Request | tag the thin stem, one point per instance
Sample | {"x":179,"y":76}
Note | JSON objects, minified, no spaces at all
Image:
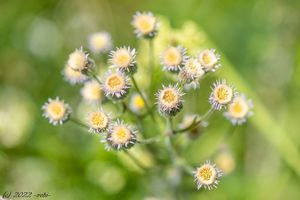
{"x":151,"y":60}
{"x":196,"y":122}
{"x":135,"y":160}
{"x":150,"y":140}
{"x":94,"y":76}
{"x":144,"y":99}
{"x":78,"y":122}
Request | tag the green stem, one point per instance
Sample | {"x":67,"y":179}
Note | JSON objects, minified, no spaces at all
{"x":150,"y":140}
{"x":78,"y":122}
{"x":135,"y":160}
{"x":144,"y":99}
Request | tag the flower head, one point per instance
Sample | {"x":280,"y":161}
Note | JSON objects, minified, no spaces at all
{"x":239,"y":110}
{"x":91,"y":91}
{"x":72,"y":76}
{"x":173,"y":58}
{"x":120,"y":136}
{"x":115,"y":85}
{"x":207,"y":176}
{"x":169,"y":100}
{"x":191,"y":72}
{"x":79,"y":60}
{"x":136,"y":103}
{"x":123,"y":58}
{"x":195,"y":131}
{"x":57,"y":111}
{"x":145,"y":25}
{"x":222,"y":94}
{"x":209,"y":59}
{"x":98,"y":121}
{"x":100,"y":42}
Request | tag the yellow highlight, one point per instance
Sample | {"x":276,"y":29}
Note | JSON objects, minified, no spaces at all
{"x":172,"y":56}
{"x":144,"y":23}
{"x":56,"y":110}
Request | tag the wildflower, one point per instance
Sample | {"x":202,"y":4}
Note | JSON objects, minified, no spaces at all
{"x":98,"y":121}
{"x":115,"y":85}
{"x":207,"y":176}
{"x":196,"y":130}
{"x":222,"y":94}
{"x":57,"y":111}
{"x":169,"y":100}
{"x":79,"y":60}
{"x":225,"y":161}
{"x":239,"y":110}
{"x":72,"y":76}
{"x":209,"y":59}
{"x":91,"y":91}
{"x":123,"y":58}
{"x":136,"y":103}
{"x":173,"y":58}
{"x":191,"y":72}
{"x":120,"y":136}
{"x":145,"y":25}
{"x":100,"y":42}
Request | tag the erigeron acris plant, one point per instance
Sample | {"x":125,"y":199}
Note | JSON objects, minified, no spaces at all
{"x":116,"y":84}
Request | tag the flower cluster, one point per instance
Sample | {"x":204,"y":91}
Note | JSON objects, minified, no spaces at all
{"x":118,"y":82}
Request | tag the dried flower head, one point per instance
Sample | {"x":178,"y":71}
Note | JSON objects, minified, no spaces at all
{"x":79,"y":60}
{"x":145,"y":25}
{"x":98,"y":121}
{"x":123,"y":58}
{"x":57,"y":111}
{"x":191,"y":72}
{"x":136,"y":103}
{"x":115,"y":85}
{"x":239,"y":110}
{"x":91,"y":91}
{"x":120,"y":136}
{"x":222,"y":94}
{"x":169,"y":100}
{"x":100,"y":42}
{"x":207,"y":176}
{"x":173,"y":58}
{"x":209,"y":59}
{"x":72,"y":76}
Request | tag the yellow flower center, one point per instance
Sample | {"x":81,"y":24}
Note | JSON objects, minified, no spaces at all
{"x":99,"y":41}
{"x":172,"y":56}
{"x":121,"y":135}
{"x":122,"y":58}
{"x":56,"y":110}
{"x":223,"y":94}
{"x":239,"y":108}
{"x":208,"y":58}
{"x":115,"y":82}
{"x":77,"y":60}
{"x":144,"y":23}
{"x":138,"y":102}
{"x":206,"y":174}
{"x":98,"y":120}
{"x":169,"y":97}
{"x":193,"y":67}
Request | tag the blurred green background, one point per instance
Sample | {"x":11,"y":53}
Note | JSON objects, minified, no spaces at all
{"x":260,"y":46}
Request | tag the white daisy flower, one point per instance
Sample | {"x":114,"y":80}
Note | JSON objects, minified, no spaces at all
{"x":209,"y":60}
{"x":207,"y":176}
{"x":169,"y":100}
{"x":120,"y":136}
{"x":173,"y":58}
{"x":239,"y":110}
{"x":56,"y":111}
{"x":115,"y":85}
{"x":191,"y":72}
{"x":91,"y":91}
{"x":79,"y":60}
{"x":72,"y":76}
{"x":98,"y":121}
{"x":222,"y":94}
{"x":100,"y":42}
{"x":145,"y":25}
{"x":136,"y":103}
{"x":123,"y":59}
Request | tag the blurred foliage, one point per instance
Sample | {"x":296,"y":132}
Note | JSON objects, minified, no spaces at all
{"x":260,"y":46}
